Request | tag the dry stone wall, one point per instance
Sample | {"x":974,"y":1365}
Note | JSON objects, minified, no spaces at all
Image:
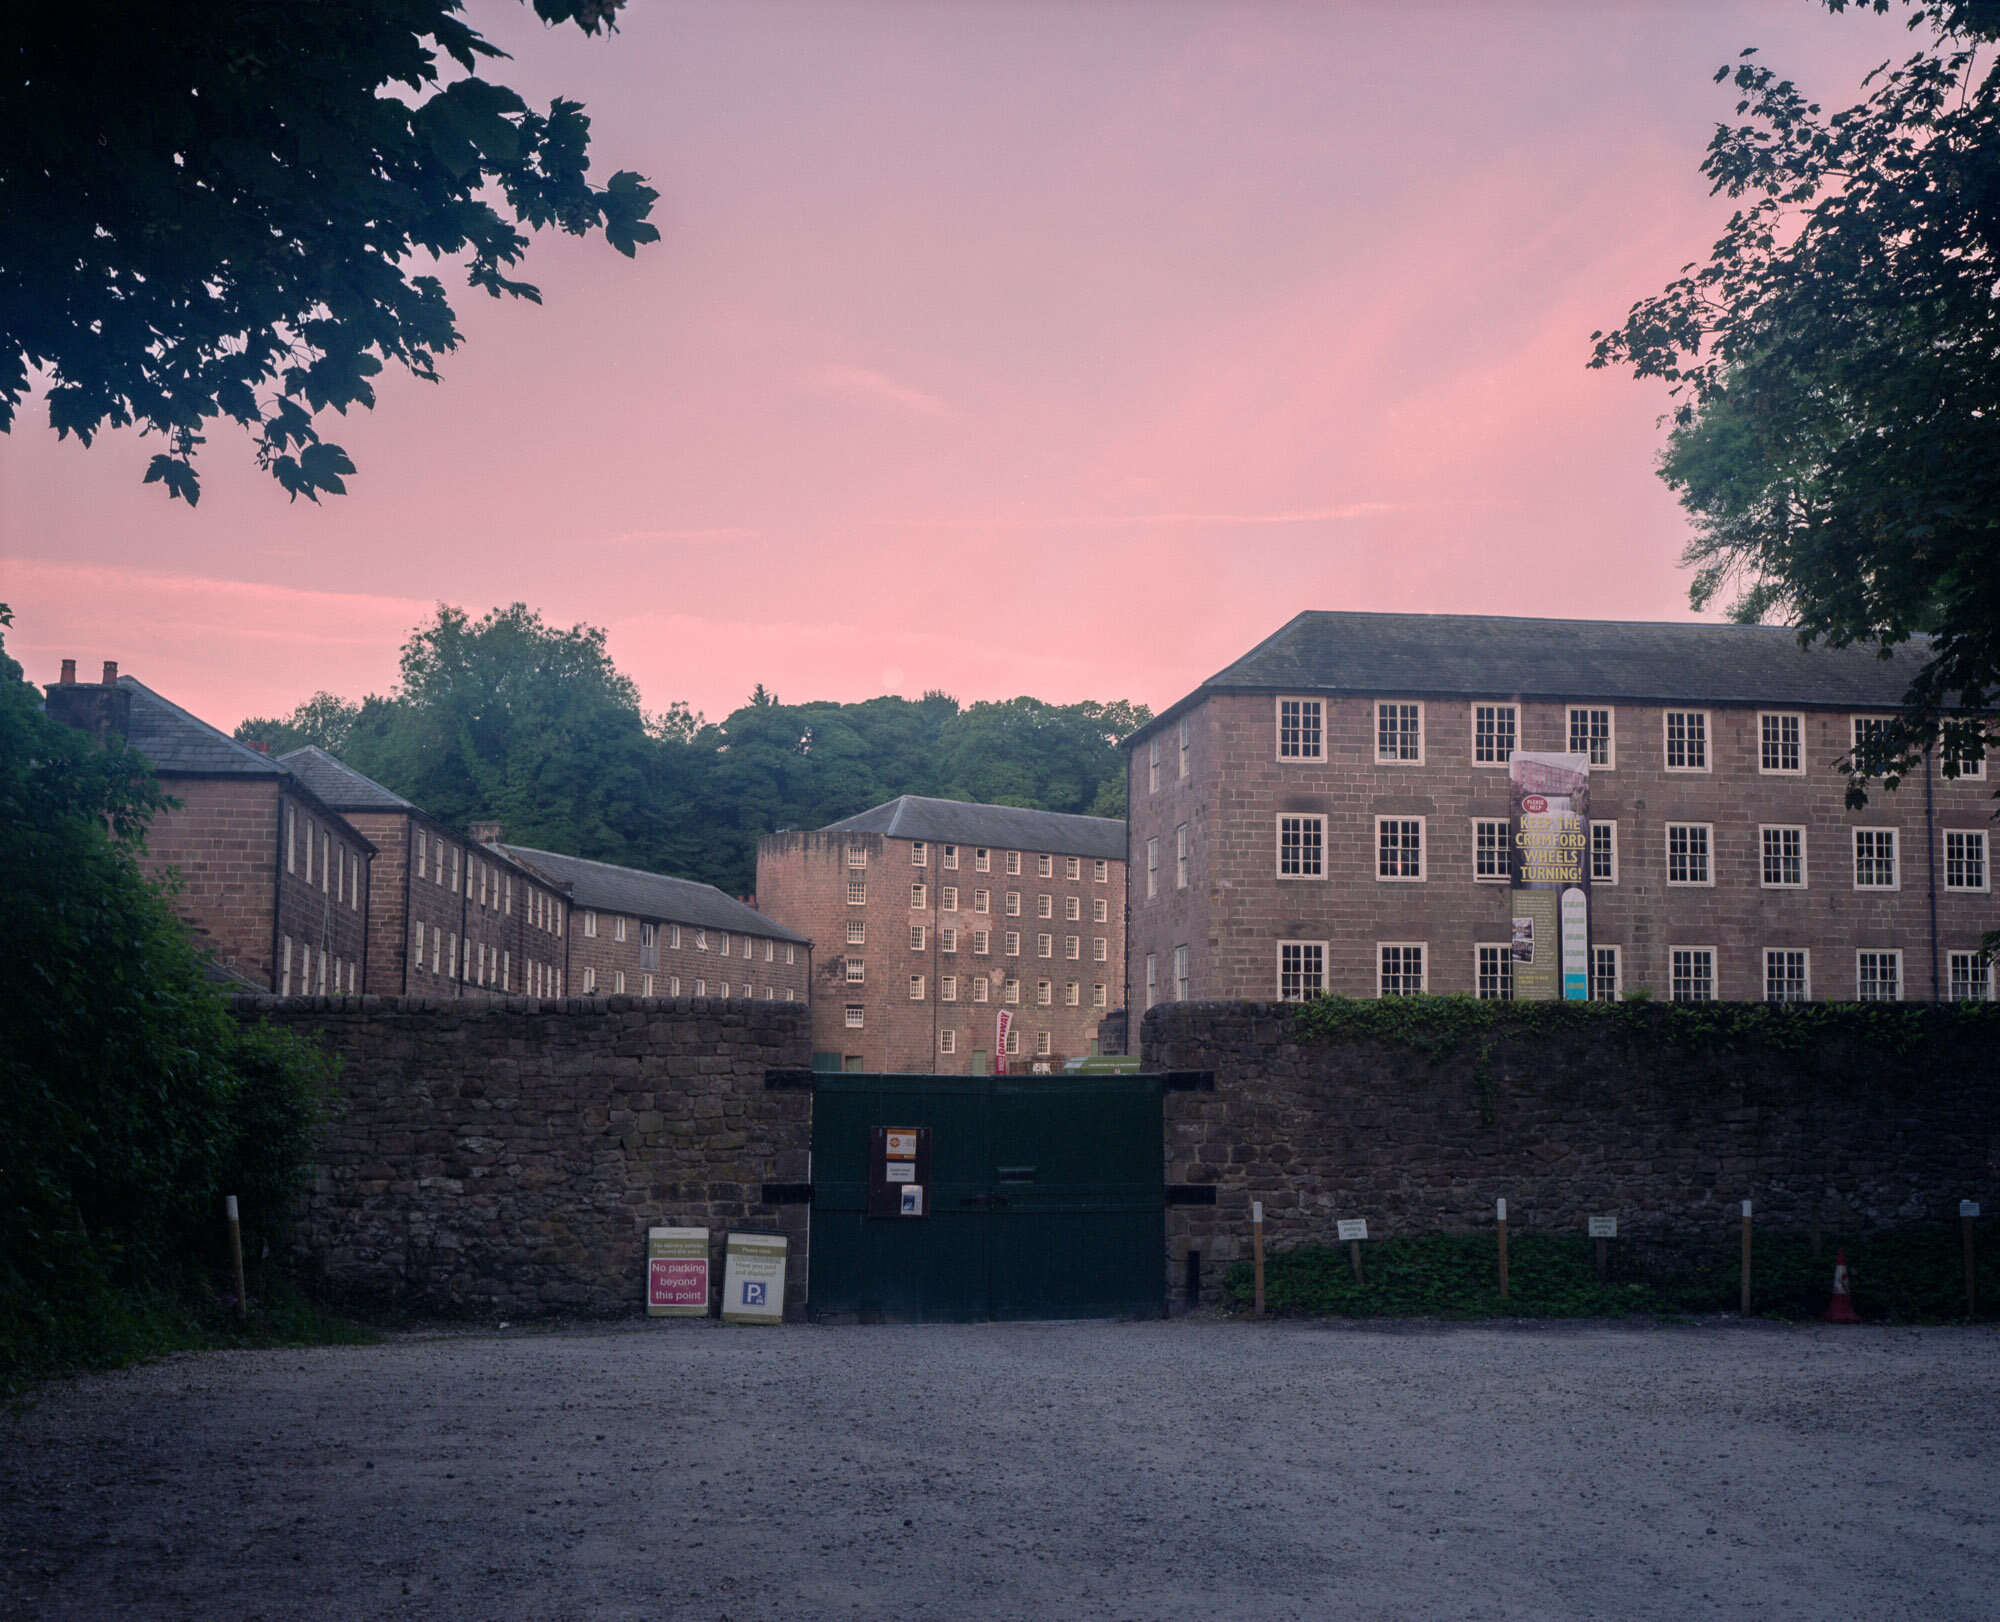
{"x":507,"y":1155}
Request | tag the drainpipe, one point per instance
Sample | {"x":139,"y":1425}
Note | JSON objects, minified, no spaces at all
{"x":1930,"y":853}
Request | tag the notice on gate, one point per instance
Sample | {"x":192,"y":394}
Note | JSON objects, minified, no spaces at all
{"x":1549,"y":954}
{"x":677,"y":1272}
{"x":753,"y":1278}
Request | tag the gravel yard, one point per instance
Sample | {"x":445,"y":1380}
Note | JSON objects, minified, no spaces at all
{"x":1183,"y":1469}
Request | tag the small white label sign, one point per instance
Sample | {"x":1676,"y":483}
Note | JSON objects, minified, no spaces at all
{"x":1603,"y":1227}
{"x":901,"y":1171}
{"x":1355,"y":1228}
{"x":1968,"y":1208}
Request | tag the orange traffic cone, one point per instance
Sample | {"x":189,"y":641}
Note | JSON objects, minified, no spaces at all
{"x":1842,"y":1310}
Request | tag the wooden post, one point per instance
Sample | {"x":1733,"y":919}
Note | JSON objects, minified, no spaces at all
{"x":236,"y":1256}
{"x":1746,"y":1259}
{"x":1967,"y":1212}
{"x":1257,"y":1251}
{"x":1354,"y":1256}
{"x":1501,"y":1221}
{"x":1603,"y":1260}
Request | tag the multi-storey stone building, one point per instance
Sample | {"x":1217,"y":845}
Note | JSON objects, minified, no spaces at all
{"x":647,"y":935}
{"x":271,"y":878}
{"x":934,"y":916}
{"x":1330,"y":813}
{"x":448,"y":915}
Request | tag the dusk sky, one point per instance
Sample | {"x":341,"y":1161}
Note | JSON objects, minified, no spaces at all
{"x":1010,"y":347}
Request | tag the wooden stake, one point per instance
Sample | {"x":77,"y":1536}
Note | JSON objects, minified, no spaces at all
{"x":236,"y":1256}
{"x":1257,"y":1251}
{"x":1501,"y":1220}
{"x":1603,"y":1259}
{"x":1967,"y":1211}
{"x":1354,"y":1255}
{"x":1746,"y":1259}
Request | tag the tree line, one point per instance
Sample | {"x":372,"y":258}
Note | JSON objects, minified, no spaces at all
{"x":532,"y":724}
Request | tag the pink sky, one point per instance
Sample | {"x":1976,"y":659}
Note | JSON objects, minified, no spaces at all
{"x":1014,"y":347}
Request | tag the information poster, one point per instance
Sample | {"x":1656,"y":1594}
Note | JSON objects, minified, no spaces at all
{"x":753,"y":1278}
{"x":677,"y":1272}
{"x":1550,"y":937}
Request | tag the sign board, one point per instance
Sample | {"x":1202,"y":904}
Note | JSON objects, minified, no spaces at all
{"x":677,"y":1272}
{"x":899,"y":1142}
{"x":913,"y":1200}
{"x":1550,"y":943}
{"x":1603,"y":1227}
{"x":753,"y":1278}
{"x":1968,"y":1208}
{"x":1003,"y":1022}
{"x":1355,"y":1229}
{"x":899,"y":1159}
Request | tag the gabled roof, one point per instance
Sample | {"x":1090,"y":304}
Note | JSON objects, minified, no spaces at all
{"x":607,"y":887}
{"x":1007,"y":827}
{"x":338,"y":783}
{"x":179,"y":743}
{"x":1488,"y":656}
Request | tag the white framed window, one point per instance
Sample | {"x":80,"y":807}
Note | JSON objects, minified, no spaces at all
{"x":1878,"y":976}
{"x":701,"y":988}
{"x":1152,"y":979}
{"x":437,"y":950}
{"x":1013,"y":1043}
{"x":916,"y":988}
{"x":1045,"y":906}
{"x":618,"y":927}
{"x":1153,"y":766}
{"x":1011,"y":990}
{"x":920,"y":897}
{"x":1867,"y":728}
{"x":980,"y":937}
{"x":646,"y":983}
{"x":1044,"y":1043}
{"x":856,"y":969}
{"x":1781,"y":744}
{"x":1100,"y":871}
{"x":1013,"y":903}
{"x":857,"y":932}
{"x":1301,"y":729}
{"x":982,"y":900}
{"x":1606,"y":973}
{"x":949,"y":860}
{"x":590,"y":925}
{"x":857,"y":892}
{"x":1970,"y":977}
{"x":618,"y":982}
{"x":857,"y":855}
{"x":1494,"y":730}
{"x":1073,"y":947}
{"x":1073,"y":909}
{"x":1045,"y":867}
{"x":1490,"y":853}
{"x":1875,"y":864}
{"x":1184,"y":753}
{"x":1688,"y":853}
{"x":285,"y":965}
{"x":1152,"y":868}
{"x":947,"y":1041}
{"x":1686,"y":740}
{"x":1399,"y":733}
{"x":1301,"y":847}
{"x":423,"y":850}
{"x":1787,"y":974}
{"x":1099,"y":996}
{"x":1957,"y":768}
{"x":947,"y":939}
{"x":701,"y":940}
{"x":1603,"y":853}
{"x":1045,"y":946}
{"x":1399,"y":848}
{"x":674,"y":936}
{"x":1045,"y":993}
{"x":919,"y":937}
{"x":1010,"y":943}
{"x":722,"y":943}
{"x":791,"y":954}
{"x":1493,"y":972}
{"x":1401,"y":967}
{"x":1783,"y":857}
{"x":1100,"y":949}
{"x":920,"y":853}
{"x":589,"y":980}
{"x":1301,"y":970}
{"x":1181,"y":857}
{"x":980,"y":987}
{"x":853,"y":1015}
{"x":947,"y":988}
{"x":1073,"y":995}
{"x":1965,"y":864}
{"x":1013,"y":863}
{"x":1591,"y":735}
{"x":948,"y":898}
{"x":1692,"y":973}
{"x":770,"y":951}
{"x":1100,"y":910}
{"x":982,"y":860}
{"x":1180,"y":974}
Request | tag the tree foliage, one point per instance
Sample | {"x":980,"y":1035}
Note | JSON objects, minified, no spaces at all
{"x":510,"y":717}
{"x":208,"y":209}
{"x":1836,"y":368}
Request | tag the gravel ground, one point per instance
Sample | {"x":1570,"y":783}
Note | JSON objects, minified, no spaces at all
{"x":1192,"y":1468}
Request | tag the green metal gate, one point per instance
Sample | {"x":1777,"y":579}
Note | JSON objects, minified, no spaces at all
{"x":1046,"y":1199}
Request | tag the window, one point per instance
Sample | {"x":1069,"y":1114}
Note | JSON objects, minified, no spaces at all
{"x":1493,"y":968}
{"x":770,"y":951}
{"x":1956,"y":766}
{"x":1301,"y":735}
{"x":1153,"y":767}
{"x":979,"y":987}
{"x":285,"y":969}
{"x":437,"y":949}
{"x":1590,"y":734}
{"x":590,"y":925}
{"x":950,"y":859}
{"x":1878,"y":976}
{"x":1073,"y":909}
{"x":589,"y":981}
{"x":1402,"y":968}
{"x":701,"y":940}
{"x":1490,"y":850}
{"x":1180,"y":974}
{"x":1100,"y":910}
{"x":1045,"y":906}
{"x":857,"y":855}
{"x":1011,"y":990}
{"x":857,"y":932}
{"x":701,"y":988}
{"x":1971,"y":977}
{"x":618,"y":929}
{"x":1180,"y":857}
{"x":1043,"y":1042}
{"x":1100,"y":872}
{"x":1073,"y":947}
{"x":917,"y":937}
{"x":1013,"y":861}
{"x":1604,"y":974}
{"x":853,"y":1011}
{"x":1693,"y":973}
{"x":1073,"y":995}
{"x":1152,"y":979}
{"x":423,"y":853}
{"x":1013,"y":1042}
{"x":1604,"y":853}
{"x":1493,"y":731}
{"x":1301,"y":970}
{"x":948,"y":898}
{"x":618,"y":982}
{"x":1867,"y":729}
{"x":857,"y":893}
{"x":1045,"y":867}
{"x":1687,"y":740}
{"x":920,"y":897}
{"x":791,"y":954}
{"x":1184,"y":753}
{"x":920,"y":853}
{"x":1399,"y":847}
{"x":947,"y":940}
{"x":1784,"y":858}
{"x":1687,"y":853}
{"x":1010,"y":943}
{"x":980,"y":937}
{"x":1301,"y":847}
{"x":947,"y":988}
{"x":856,"y":968}
{"x":1045,"y":994}
{"x":1785,"y":976}
{"x":1013,"y":903}
{"x":1100,"y":949}
{"x":982,"y":900}
{"x":1099,"y":997}
{"x":916,"y":988}
{"x":1045,"y":946}
{"x":1780,"y":744}
{"x":982,"y":860}
{"x":1399,"y":733}
{"x":1152,"y":868}
{"x":1875,"y":859}
{"x":1964,"y":860}
{"x":454,"y":870}
{"x":947,"y":1041}
{"x":722,"y":943}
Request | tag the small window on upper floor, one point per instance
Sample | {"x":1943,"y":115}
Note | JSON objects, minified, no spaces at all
{"x":1687,"y":740}
{"x":1013,"y":861}
{"x":1781,"y":744}
{"x":1301,"y":729}
{"x":1100,"y":872}
{"x":1184,"y":747}
{"x":950,"y":858}
{"x":920,"y":853}
{"x":618,"y":927}
{"x":1073,"y":867}
{"x":982,"y":860}
{"x":1153,"y":766}
{"x":1495,"y":729}
{"x":1399,"y":733}
{"x":1045,"y":867}
{"x":1590,"y":734}
{"x":857,"y":855}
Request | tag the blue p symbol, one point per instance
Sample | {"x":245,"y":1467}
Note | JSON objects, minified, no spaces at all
{"x":753,"y":1294}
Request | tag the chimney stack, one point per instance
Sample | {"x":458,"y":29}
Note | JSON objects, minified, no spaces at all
{"x":261,"y":745}
{"x":110,"y":672}
{"x":69,"y":673}
{"x":485,"y":833}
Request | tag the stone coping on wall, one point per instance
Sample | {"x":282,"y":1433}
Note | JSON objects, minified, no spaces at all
{"x":265,"y":1003}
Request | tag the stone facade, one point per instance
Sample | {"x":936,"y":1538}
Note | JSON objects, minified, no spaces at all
{"x":684,"y":960}
{"x":506,"y":1155}
{"x":1562,"y":1128}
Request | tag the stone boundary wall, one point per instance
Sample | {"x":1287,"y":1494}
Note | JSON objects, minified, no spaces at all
{"x":1563,"y":1127}
{"x":506,"y":1155}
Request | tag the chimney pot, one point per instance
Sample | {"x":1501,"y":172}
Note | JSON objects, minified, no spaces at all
{"x":68,"y":672}
{"x":261,"y":745}
{"x":110,"y":672}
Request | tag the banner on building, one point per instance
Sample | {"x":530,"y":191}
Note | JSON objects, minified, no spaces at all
{"x":1550,"y":938}
{"x":1002,"y":1024}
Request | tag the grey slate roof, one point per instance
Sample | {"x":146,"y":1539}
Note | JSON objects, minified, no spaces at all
{"x":338,"y":783}
{"x":177,"y":742}
{"x":1487,"y":656}
{"x":607,"y":887}
{"x":1005,"y":827}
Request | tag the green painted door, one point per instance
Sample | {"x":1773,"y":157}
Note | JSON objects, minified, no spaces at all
{"x":1046,"y":1199}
